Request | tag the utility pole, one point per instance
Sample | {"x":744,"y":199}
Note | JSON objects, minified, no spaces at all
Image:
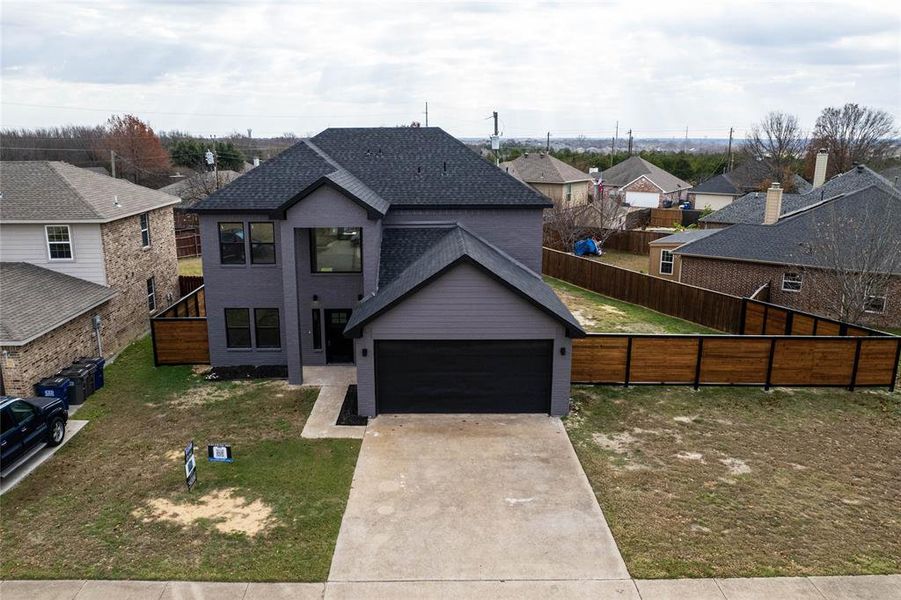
{"x":731,"y":161}
{"x":630,"y":142}
{"x":496,"y":142}
{"x":426,"y":114}
{"x":685,"y":143}
{"x":613,"y":145}
{"x":495,"y":122}
{"x":112,"y":163}
{"x":548,"y":147}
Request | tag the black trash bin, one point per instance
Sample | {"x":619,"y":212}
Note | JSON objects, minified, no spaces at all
{"x":98,"y":364}
{"x":83,"y":378}
{"x":58,"y":387}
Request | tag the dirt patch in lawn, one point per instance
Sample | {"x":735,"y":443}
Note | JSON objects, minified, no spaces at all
{"x":228,"y":512}
{"x":738,"y":482}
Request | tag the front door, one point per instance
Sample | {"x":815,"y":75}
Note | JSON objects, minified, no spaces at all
{"x":338,"y":349}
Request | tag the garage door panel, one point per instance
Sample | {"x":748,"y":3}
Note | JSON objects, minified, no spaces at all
{"x":645,"y":199}
{"x":463,"y":376}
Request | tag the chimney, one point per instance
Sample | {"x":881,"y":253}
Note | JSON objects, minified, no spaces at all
{"x":819,"y":171}
{"x":773,"y":204}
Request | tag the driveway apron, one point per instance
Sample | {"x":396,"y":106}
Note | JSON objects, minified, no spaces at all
{"x":472,"y":497}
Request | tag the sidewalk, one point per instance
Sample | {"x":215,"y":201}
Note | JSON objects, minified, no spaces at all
{"x":865,"y":587}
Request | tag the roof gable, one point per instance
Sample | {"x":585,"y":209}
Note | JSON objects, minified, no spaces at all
{"x":456,"y":247}
{"x":624,"y":173}
{"x":539,"y":167}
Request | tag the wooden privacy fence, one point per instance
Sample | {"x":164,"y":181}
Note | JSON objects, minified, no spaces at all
{"x":763,"y":318}
{"x":187,"y":244}
{"x":707,"y":307}
{"x":749,"y":360}
{"x":179,"y":333}
{"x":665,"y":217}
{"x":189,"y":283}
{"x":629,"y":240}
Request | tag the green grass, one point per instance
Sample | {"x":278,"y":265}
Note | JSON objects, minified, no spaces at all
{"x":625,"y":260}
{"x":80,"y":514}
{"x":819,"y":496}
{"x":190,"y":266}
{"x":600,"y":314}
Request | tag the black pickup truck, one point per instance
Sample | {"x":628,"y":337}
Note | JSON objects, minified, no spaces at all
{"x":28,"y":423}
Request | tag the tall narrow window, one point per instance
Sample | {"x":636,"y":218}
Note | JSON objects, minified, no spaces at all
{"x":262,"y":243}
{"x":145,"y":229}
{"x":151,"y":294}
{"x":317,"y":329}
{"x":237,"y":327}
{"x":59,"y":242}
{"x":231,"y":243}
{"x":336,"y":249}
{"x":666,"y":262}
{"x":267,"y":330}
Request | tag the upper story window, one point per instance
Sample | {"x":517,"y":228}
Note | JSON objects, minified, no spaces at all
{"x":231,"y":243}
{"x":336,"y":249}
{"x":262,"y":243}
{"x":874,"y":304}
{"x":145,"y":229}
{"x":666,"y":262}
{"x":791,"y":282}
{"x":59,"y":242}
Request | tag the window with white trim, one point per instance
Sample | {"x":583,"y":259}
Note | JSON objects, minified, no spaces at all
{"x":791,"y":282}
{"x":144,"y":219}
{"x":151,"y":294}
{"x":874,"y":304}
{"x":59,"y":242}
{"x":666,"y":262}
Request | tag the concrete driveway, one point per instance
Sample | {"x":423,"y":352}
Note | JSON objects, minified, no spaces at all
{"x":472,"y":497}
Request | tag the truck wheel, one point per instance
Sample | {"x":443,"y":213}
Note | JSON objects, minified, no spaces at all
{"x":57,"y":432}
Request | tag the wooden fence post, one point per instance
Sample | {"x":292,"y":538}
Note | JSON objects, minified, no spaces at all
{"x":769,"y":366}
{"x":698,"y":364}
{"x":628,"y":362}
{"x":856,"y":365}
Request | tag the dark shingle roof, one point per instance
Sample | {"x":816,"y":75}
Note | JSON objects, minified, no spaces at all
{"x":634,"y":167}
{"x":386,"y":166}
{"x":456,"y":246}
{"x":402,"y":246}
{"x":36,"y":300}
{"x":745,"y":178}
{"x":798,"y":239}
{"x":538,"y":167}
{"x":46,"y":190}
{"x":750,"y":207}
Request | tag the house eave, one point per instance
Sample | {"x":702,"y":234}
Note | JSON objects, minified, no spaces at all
{"x":94,"y":221}
{"x":57,"y":325}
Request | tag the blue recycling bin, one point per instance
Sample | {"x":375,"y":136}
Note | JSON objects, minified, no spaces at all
{"x":57,"y":387}
{"x":98,"y":364}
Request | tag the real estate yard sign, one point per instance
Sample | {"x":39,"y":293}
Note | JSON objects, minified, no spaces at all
{"x":219,"y":453}
{"x":190,"y":466}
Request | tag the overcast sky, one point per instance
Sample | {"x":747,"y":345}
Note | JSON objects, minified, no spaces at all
{"x":567,"y":68}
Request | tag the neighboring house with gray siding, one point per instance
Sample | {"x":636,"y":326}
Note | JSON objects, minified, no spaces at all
{"x":76,"y":226}
{"x":398,"y":250}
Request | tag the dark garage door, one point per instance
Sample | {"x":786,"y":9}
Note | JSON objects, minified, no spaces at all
{"x":463,"y":376}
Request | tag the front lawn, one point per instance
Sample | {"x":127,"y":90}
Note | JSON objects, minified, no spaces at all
{"x":738,"y":482}
{"x":600,"y":314}
{"x":112,"y":503}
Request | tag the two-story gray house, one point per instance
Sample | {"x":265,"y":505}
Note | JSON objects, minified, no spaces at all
{"x":398,"y":250}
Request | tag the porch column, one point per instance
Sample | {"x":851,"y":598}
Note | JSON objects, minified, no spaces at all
{"x":291,"y":316}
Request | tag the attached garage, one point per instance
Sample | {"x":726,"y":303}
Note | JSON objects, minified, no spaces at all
{"x":643,"y":199}
{"x":463,"y":329}
{"x":463,"y":376}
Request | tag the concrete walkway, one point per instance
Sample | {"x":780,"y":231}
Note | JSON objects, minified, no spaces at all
{"x":882,"y":587}
{"x":471,"y":497}
{"x":332,"y":382}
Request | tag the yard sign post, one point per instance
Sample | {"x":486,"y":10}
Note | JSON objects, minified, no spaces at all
{"x":190,"y":466}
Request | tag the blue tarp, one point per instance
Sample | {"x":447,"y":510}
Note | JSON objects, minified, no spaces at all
{"x":583,"y":247}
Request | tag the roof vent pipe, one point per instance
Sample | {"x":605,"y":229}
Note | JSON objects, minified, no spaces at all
{"x":860,"y":168}
{"x":773,"y":204}
{"x":819,"y":171}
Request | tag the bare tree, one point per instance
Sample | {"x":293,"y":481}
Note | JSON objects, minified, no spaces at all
{"x":778,"y":142}
{"x":565,"y":225}
{"x":199,"y":186}
{"x":853,"y":134}
{"x":856,"y":255}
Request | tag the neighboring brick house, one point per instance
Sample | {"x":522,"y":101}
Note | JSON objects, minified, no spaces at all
{"x":637,"y":182}
{"x":662,"y":262}
{"x":563,"y":184}
{"x":797,"y":252}
{"x":83,"y":233}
